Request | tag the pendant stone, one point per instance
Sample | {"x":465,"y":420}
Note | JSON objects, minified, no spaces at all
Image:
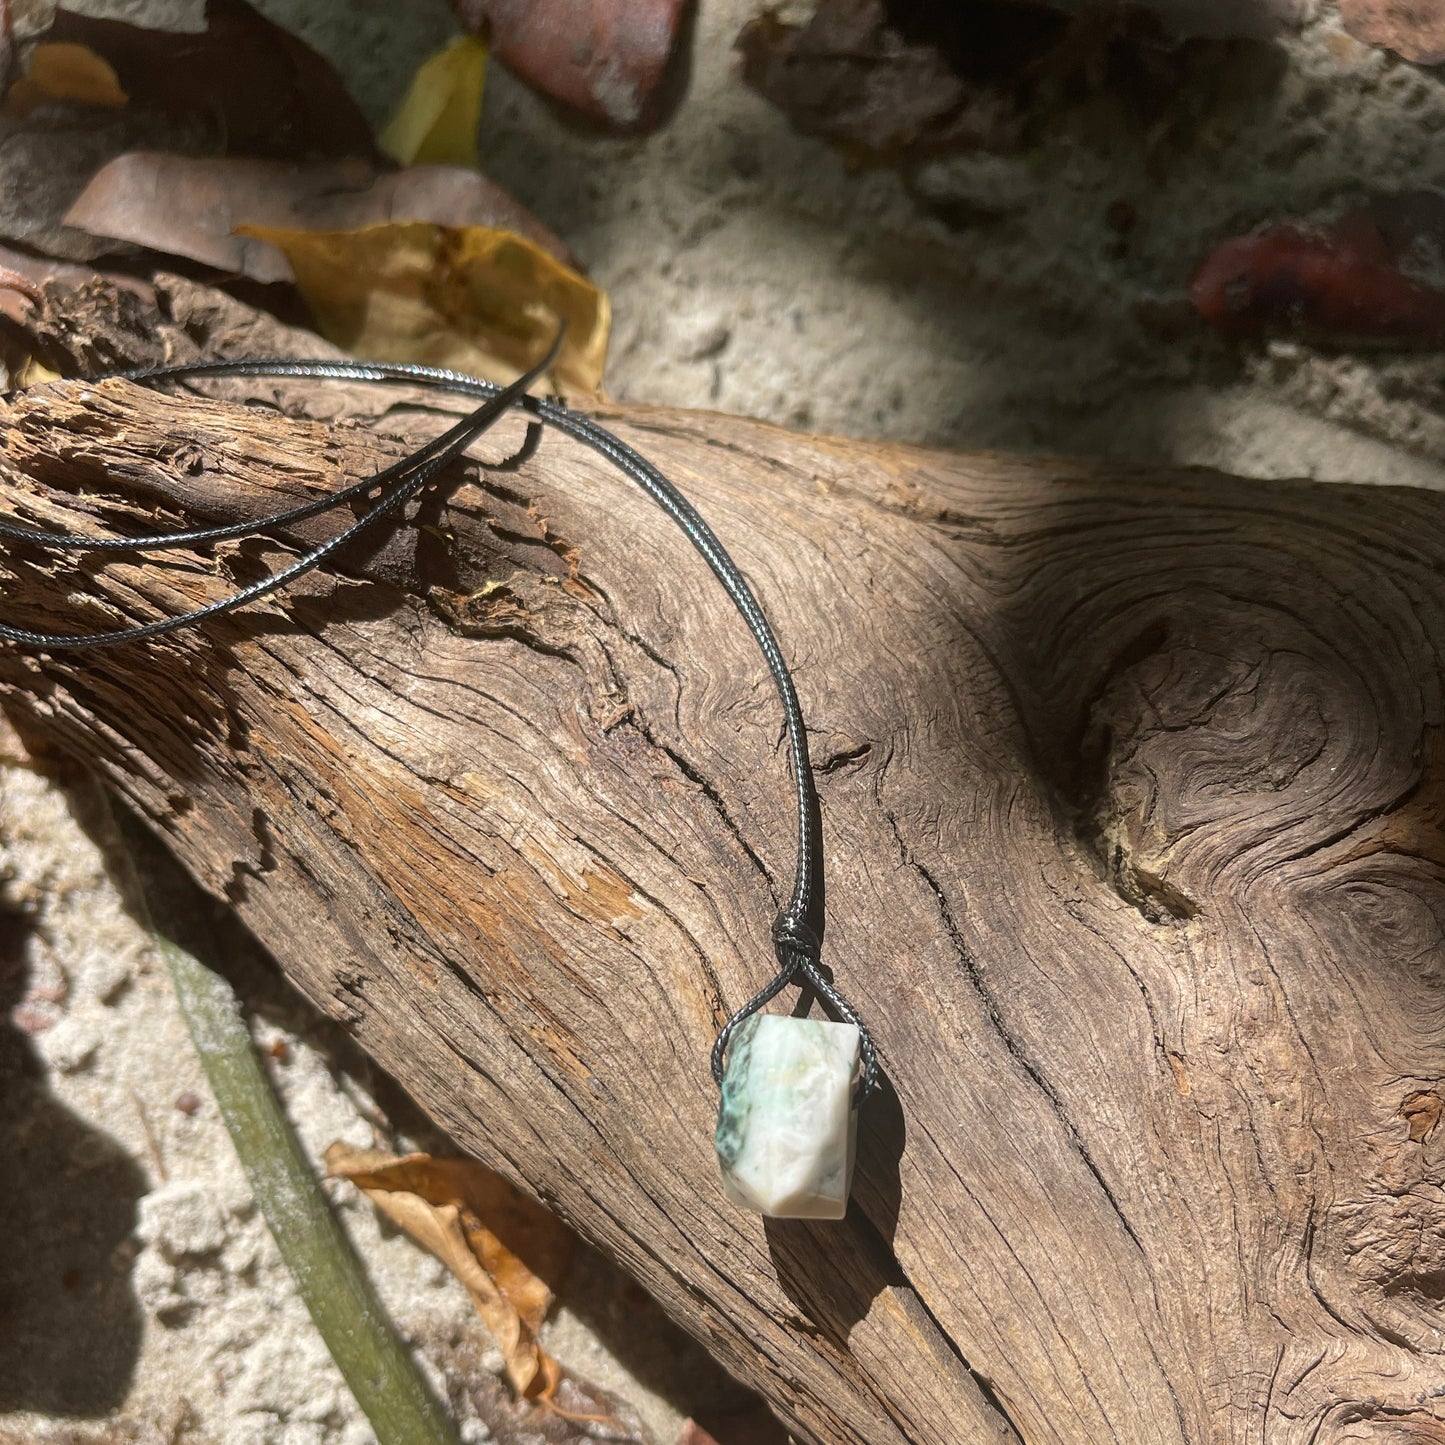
{"x":786,"y":1127}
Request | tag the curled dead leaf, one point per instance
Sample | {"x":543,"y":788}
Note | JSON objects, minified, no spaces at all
{"x":471,"y":298}
{"x":184,"y":206}
{"x":501,"y":1245}
{"x":65,"y":72}
{"x":33,"y":373}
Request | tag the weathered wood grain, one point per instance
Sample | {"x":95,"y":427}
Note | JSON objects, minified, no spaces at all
{"x":1133,"y":797}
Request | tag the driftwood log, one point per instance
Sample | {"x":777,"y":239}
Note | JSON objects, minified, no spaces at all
{"x":1133,"y":798}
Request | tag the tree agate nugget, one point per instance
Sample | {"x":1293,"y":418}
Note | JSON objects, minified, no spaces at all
{"x":787,"y":1125}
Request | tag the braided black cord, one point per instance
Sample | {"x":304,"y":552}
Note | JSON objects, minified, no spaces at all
{"x":795,"y":939}
{"x":412,"y":479}
{"x":446,"y":446}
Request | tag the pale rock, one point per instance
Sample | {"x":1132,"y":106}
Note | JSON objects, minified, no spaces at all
{"x":182,"y":1220}
{"x":109,"y":975}
{"x":787,"y":1126}
{"x":701,"y":336}
{"x":158,"y":1286}
{"x":70,"y":1045}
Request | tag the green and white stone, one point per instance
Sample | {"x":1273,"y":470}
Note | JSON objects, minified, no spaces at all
{"x":787,"y":1128}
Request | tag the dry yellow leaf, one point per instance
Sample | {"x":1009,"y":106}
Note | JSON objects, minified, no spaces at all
{"x":65,"y":72}
{"x":437,"y":122}
{"x":473,"y":298}
{"x":503,"y":1247}
{"x":32,"y":373}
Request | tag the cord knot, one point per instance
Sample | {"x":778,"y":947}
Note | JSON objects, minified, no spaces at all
{"x":795,"y":944}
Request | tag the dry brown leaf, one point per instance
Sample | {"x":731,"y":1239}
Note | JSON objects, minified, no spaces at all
{"x":260,"y":89}
{"x":438,"y":117}
{"x":503,"y":1247}
{"x":472,"y":298}
{"x":33,"y":373}
{"x":184,"y":206}
{"x":891,"y":80}
{"x":65,"y":72}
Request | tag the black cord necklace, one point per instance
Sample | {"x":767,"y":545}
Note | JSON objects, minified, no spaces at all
{"x":790,"y":1086}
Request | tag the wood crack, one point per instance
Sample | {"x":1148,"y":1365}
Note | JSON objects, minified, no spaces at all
{"x":1010,"y":1041}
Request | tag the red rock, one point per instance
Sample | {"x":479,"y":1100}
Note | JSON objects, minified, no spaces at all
{"x":605,"y":58}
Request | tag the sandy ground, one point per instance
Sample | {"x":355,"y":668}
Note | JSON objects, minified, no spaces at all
{"x":750,"y":271}
{"x":753,"y":273}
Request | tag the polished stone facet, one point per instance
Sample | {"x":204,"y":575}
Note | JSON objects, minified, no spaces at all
{"x":786,"y":1127}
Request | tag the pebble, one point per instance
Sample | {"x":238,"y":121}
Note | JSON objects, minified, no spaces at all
{"x":182,"y":1219}
{"x":157,"y":1286}
{"x":700,"y":336}
{"x":107,"y":978}
{"x":70,"y":1045}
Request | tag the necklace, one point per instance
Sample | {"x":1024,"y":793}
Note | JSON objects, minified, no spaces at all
{"x":790,"y":1085}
